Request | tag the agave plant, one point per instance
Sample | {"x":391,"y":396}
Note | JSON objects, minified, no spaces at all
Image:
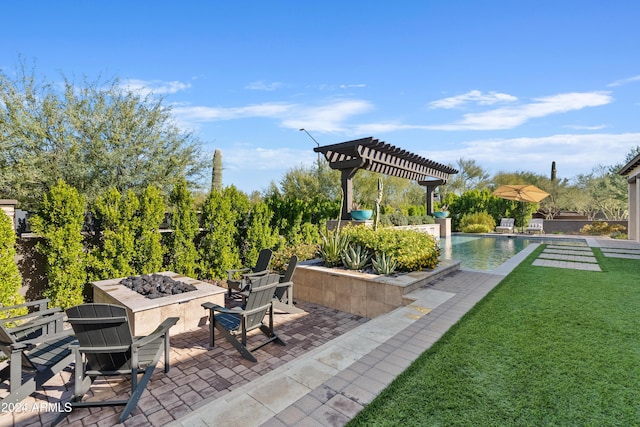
{"x":356,"y":257}
{"x":333,"y":245}
{"x":383,"y":263}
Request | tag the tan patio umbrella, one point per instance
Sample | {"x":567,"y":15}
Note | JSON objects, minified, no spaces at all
{"x":520,"y":193}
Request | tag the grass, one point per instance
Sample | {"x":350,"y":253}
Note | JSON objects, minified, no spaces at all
{"x":546,"y":347}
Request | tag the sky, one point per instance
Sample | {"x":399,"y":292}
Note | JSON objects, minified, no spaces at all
{"x":512,"y":85}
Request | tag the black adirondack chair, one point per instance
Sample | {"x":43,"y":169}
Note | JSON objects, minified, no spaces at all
{"x":37,"y":348}
{"x":236,"y":322}
{"x":107,"y":348}
{"x":238,"y":285}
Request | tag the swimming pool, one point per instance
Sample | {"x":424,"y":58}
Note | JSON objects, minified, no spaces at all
{"x":482,"y":252}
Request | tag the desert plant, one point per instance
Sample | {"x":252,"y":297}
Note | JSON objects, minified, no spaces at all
{"x":383,"y":263}
{"x":356,"y":257}
{"x":10,"y":279}
{"x":333,"y":244}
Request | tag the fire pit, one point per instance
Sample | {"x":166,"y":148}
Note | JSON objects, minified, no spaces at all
{"x":156,"y":285}
{"x":146,"y":313}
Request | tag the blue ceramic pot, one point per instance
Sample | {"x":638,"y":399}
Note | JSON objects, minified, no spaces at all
{"x":361,"y":214}
{"x":441,"y":214}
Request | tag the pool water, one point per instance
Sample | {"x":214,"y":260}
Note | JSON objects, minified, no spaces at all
{"x":481,"y":252}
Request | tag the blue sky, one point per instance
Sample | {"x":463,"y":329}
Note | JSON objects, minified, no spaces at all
{"x":513,"y":85}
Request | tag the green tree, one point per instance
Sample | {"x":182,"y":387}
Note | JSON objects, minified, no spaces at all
{"x":219,"y":247}
{"x":149,"y":249}
{"x":10,"y":279}
{"x":260,"y":234}
{"x":60,"y":222}
{"x":182,"y":256}
{"x":93,"y":135}
{"x":470,"y":176}
{"x":118,"y":221}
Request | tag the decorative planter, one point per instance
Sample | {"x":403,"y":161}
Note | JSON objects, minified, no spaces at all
{"x":361,"y":214}
{"x":441,"y":214}
{"x":363,"y":294}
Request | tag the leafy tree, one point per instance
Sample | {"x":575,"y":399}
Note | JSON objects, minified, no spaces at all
{"x":10,"y":279}
{"x":182,"y":256}
{"x":470,"y":176}
{"x":307,"y":182}
{"x":59,"y":222}
{"x":607,"y":191}
{"x":93,"y":135}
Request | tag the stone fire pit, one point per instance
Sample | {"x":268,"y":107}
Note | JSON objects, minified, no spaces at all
{"x":145,"y":314}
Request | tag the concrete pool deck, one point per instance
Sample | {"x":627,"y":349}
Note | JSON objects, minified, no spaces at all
{"x":320,"y":385}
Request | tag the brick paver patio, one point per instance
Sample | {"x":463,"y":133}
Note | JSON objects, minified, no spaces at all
{"x":197,"y":373}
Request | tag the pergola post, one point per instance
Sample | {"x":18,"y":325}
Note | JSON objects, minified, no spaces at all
{"x":346,"y":176}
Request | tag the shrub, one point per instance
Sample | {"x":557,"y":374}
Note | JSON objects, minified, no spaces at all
{"x":10,"y":279}
{"x":59,"y":222}
{"x":218,"y":247}
{"x":602,"y":228}
{"x":281,"y":257}
{"x":475,"y":219}
{"x":117,"y":222}
{"x":395,"y":218}
{"x":182,"y":256}
{"x":477,"y":228}
{"x":259,"y":234}
{"x":149,"y":249}
{"x":411,"y":249}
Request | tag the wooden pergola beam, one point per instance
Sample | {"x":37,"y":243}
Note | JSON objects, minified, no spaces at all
{"x":378,"y":156}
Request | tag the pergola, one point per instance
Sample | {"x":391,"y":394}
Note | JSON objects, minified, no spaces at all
{"x":378,"y":156}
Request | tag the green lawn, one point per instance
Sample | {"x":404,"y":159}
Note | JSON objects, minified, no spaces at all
{"x":547,"y":346}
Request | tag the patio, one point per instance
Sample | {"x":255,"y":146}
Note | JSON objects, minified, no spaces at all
{"x":333,"y":365}
{"x":197,"y":373}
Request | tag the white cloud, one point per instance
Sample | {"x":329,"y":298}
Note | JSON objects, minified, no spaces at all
{"x":584,"y":127}
{"x":328,"y":117}
{"x":157,"y":87}
{"x":624,"y":81}
{"x":574,"y":154}
{"x":474,"y":96}
{"x":352,"y":86}
{"x":211,"y":114}
{"x":261,"y":85}
{"x":511,"y":117}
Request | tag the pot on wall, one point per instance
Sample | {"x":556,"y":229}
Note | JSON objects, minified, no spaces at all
{"x":441,"y":214}
{"x":361,"y":214}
